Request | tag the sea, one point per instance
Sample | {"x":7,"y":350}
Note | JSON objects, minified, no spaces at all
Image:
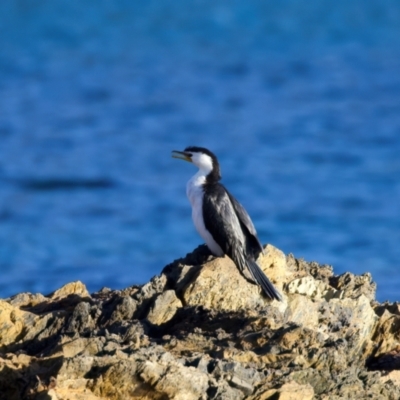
{"x":299,"y":100}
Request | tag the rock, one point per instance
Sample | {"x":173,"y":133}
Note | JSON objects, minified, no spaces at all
{"x":13,"y":323}
{"x":392,"y":376}
{"x":27,"y":299}
{"x":200,"y":330}
{"x":146,"y":295}
{"x":47,"y":395}
{"x":294,"y":391}
{"x":241,"y":384}
{"x":80,"y":319}
{"x":164,"y":308}
{"x":303,"y":311}
{"x":312,"y":288}
{"x":73,"y":288}
{"x":125,"y":308}
{"x":386,"y":341}
{"x":82,"y":346}
{"x":220,"y":286}
{"x":354,"y":286}
{"x":174,"y":380}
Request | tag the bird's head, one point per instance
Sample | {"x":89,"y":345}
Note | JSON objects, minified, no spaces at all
{"x":202,"y":158}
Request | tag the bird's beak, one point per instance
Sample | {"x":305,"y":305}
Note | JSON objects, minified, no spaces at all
{"x":182,"y":155}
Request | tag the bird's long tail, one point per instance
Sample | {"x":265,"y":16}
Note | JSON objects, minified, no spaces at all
{"x":263,"y":280}
{"x":252,"y":272}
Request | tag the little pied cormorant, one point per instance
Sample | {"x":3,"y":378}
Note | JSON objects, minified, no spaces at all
{"x":221,"y":220}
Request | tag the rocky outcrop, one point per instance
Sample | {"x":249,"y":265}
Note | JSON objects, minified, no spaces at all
{"x":199,"y":330}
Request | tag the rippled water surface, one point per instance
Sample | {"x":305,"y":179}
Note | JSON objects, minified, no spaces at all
{"x":300,"y":101}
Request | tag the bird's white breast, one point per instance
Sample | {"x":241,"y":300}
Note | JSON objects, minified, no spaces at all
{"x":195,"y":193}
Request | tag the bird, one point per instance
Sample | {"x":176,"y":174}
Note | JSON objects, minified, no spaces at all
{"x":221,"y":220}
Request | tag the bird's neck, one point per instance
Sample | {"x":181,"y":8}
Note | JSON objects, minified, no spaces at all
{"x":205,"y":176}
{"x":212,"y":175}
{"x":194,"y":189}
{"x":195,"y":186}
{"x":198,"y":179}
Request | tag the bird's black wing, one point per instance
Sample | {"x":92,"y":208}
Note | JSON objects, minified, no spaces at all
{"x":246,"y":221}
{"x":221,"y":220}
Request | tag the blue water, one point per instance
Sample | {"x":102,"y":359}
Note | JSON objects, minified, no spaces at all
{"x":300,"y":101}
